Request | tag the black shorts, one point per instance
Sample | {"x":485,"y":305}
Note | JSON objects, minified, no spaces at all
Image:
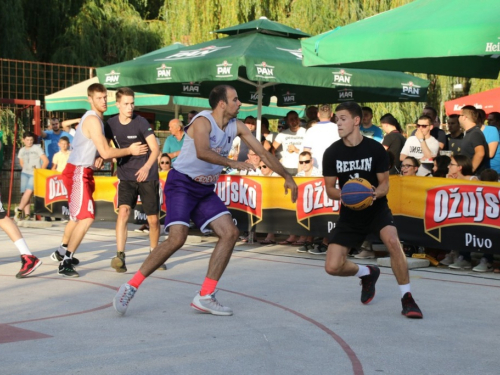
{"x":129,"y":191}
{"x":3,"y":213}
{"x":352,"y":234}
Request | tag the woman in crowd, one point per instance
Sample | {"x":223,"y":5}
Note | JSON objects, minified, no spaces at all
{"x":165,"y":163}
{"x":409,"y":166}
{"x":441,"y":163}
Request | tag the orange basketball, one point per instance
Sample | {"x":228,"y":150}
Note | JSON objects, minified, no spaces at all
{"x":357,"y":194}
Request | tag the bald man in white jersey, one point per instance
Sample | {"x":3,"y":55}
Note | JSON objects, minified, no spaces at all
{"x":189,"y":192}
{"x":78,"y":176}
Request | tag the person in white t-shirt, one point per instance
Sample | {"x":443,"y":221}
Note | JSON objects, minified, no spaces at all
{"x":422,"y":146}
{"x":291,"y":140}
{"x":319,"y":137}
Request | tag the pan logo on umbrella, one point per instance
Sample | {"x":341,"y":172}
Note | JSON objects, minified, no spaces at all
{"x":493,"y":47}
{"x":193,"y":53}
{"x":224,"y":70}
{"x":254,"y":97}
{"x":346,"y":95}
{"x":410,"y":90}
{"x":341,"y":78}
{"x":289,"y":98}
{"x":112,"y":78}
{"x":191,"y":88}
{"x":163,"y":73}
{"x":265,"y":71}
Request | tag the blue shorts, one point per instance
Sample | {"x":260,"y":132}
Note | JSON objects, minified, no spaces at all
{"x":186,"y":199}
{"x":26,"y":182}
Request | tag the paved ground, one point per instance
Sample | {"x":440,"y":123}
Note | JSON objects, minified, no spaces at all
{"x":290,"y":316}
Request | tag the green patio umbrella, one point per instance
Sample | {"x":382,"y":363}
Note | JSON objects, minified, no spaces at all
{"x":449,"y":37}
{"x":74,"y":99}
{"x":260,"y":59}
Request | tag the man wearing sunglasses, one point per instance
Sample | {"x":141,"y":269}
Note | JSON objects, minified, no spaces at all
{"x":422,"y":146}
{"x":306,"y":167}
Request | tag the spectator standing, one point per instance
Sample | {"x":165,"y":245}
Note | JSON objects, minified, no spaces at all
{"x":436,"y":131}
{"x":368,"y":129}
{"x":494,"y":121}
{"x":422,"y":146}
{"x":60,"y":159}
{"x":454,"y":139}
{"x":492,"y":136}
{"x":66,"y":126}
{"x":474,"y":143}
{"x":173,"y":143}
{"x":393,"y":141}
{"x":319,"y":137}
{"x":51,"y":139}
{"x":291,"y":139}
{"x":31,"y":157}
{"x":191,"y":115}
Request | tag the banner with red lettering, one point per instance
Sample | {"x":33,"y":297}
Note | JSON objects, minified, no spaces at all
{"x":431,"y":212}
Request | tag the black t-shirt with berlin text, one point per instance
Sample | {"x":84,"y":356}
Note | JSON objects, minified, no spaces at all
{"x":123,"y":136}
{"x":362,"y":161}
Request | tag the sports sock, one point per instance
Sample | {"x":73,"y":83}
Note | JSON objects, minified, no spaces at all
{"x":68,"y":255}
{"x":362,"y":271}
{"x":137,"y":280}
{"x":208,"y":286}
{"x":404,"y":289}
{"x":22,"y":247}
{"x":62,"y":248}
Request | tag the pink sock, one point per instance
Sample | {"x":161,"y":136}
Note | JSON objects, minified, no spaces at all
{"x":208,"y":286}
{"x":137,"y":280}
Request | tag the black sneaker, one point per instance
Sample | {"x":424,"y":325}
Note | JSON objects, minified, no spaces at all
{"x":410,"y":307}
{"x":307,"y":246}
{"x":29,"y":263}
{"x":67,"y":269}
{"x":57,"y":257}
{"x":319,"y":250}
{"x":118,"y":262}
{"x":368,"y":284}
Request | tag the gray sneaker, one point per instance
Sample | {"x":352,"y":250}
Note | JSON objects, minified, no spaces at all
{"x":209,"y":304}
{"x":123,"y":297}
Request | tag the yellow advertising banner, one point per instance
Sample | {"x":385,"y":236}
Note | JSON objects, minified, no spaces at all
{"x":433,"y":212}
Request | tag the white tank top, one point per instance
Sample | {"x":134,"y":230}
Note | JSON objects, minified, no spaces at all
{"x":83,"y":151}
{"x":220,"y":142}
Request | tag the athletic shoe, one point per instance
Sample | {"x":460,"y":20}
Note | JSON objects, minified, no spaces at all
{"x":318,"y":250}
{"x":483,"y":266}
{"x":368,"y":284}
{"x":18,"y":215}
{"x":449,"y":259}
{"x":66,"y":269}
{"x":118,"y":262}
{"x":29,"y":263}
{"x":209,"y":304}
{"x":307,"y":246}
{"x":461,"y":264}
{"x":123,"y":297}
{"x":57,"y":257}
{"x":410,"y":307}
{"x":365,"y":254}
{"x":353,"y":252}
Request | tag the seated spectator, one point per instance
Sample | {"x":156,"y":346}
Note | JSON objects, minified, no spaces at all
{"x":60,"y":158}
{"x":306,"y":168}
{"x":460,"y":167}
{"x":254,"y":159}
{"x":409,"y":166}
{"x":393,"y":141}
{"x":489,"y":175}
{"x":165,"y":163}
{"x":422,"y":146}
{"x":441,"y":163}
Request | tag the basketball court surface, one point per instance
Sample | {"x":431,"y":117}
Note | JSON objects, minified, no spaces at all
{"x":290,"y":317}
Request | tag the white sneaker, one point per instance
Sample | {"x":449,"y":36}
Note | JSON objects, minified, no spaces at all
{"x":365,"y":254}
{"x":483,"y":266}
{"x":461,"y":264}
{"x":209,"y":304}
{"x":449,"y":259}
{"x":123,"y":297}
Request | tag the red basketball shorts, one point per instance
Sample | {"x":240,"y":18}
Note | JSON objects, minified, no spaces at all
{"x":79,"y":182}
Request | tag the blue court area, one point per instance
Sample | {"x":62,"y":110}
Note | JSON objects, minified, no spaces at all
{"x":290,"y":317}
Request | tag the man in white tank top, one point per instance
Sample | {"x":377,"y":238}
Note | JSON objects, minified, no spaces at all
{"x":78,"y":176}
{"x":189,"y":194}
